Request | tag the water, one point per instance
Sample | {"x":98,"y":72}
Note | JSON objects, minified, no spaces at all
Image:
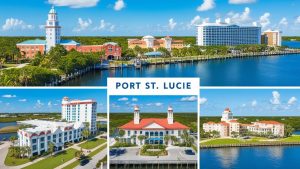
{"x":291,"y":44}
{"x":296,"y":132}
{"x":6,"y":136}
{"x":259,"y":71}
{"x":274,"y":157}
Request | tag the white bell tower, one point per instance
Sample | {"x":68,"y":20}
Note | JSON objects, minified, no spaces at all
{"x":136,"y":115}
{"x":170,"y":115}
{"x":227,"y":115}
{"x":52,"y":30}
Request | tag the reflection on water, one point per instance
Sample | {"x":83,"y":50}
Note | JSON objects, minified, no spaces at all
{"x":270,"y":157}
{"x":227,"y":157}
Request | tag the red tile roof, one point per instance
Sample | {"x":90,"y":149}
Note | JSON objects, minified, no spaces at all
{"x":269,"y":122}
{"x":224,"y":123}
{"x":147,"y":121}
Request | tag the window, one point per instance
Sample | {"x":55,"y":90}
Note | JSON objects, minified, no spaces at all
{"x":42,"y":145}
{"x":34,"y":148}
{"x":49,"y":138}
{"x":33,"y":141}
{"x":43,"y":139}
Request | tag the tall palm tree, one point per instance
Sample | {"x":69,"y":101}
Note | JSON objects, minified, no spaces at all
{"x":141,"y":138}
{"x":174,"y":139}
{"x":133,"y":137}
{"x":121,"y":134}
{"x":51,"y":147}
{"x":167,"y":139}
{"x":28,"y":150}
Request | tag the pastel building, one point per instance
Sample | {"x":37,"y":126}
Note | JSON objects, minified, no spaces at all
{"x":153,"y":128}
{"x":43,"y":132}
{"x":214,"y":34}
{"x":83,"y":111}
{"x":30,"y":48}
{"x":153,"y":43}
{"x":230,"y":126}
{"x":271,"y":37}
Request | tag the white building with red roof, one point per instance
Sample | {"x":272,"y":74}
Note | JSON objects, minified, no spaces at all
{"x":230,"y":126}
{"x":42,"y":132}
{"x":154,"y":129}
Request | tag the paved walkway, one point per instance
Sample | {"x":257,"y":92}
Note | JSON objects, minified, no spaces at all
{"x":4,"y":150}
{"x":85,"y":151}
{"x":94,"y":161}
{"x":18,"y":66}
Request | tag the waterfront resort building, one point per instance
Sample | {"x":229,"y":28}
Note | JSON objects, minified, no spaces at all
{"x":230,"y":126}
{"x":271,"y":37}
{"x":30,"y":48}
{"x":154,"y":129}
{"x":39,"y":133}
{"x":214,"y":34}
{"x":42,"y":132}
{"x":150,"y":42}
{"x":84,"y":111}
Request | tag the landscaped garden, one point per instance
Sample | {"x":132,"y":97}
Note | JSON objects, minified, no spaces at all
{"x":90,"y":144}
{"x":153,"y":150}
{"x":54,"y":161}
{"x":11,"y":160}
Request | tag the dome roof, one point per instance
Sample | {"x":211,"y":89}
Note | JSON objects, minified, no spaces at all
{"x":52,"y":10}
{"x":148,"y":37}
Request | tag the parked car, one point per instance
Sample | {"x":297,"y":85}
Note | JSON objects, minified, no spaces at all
{"x":84,"y":162}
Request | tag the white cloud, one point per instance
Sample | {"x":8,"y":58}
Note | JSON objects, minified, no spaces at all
{"x":297,"y":21}
{"x":38,"y":104}
{"x":13,"y":23}
{"x":189,"y":99}
{"x":123,"y":99}
{"x":49,"y":104}
{"x":119,"y":4}
{"x":195,"y":21}
{"x":172,"y":24}
{"x":292,"y":100}
{"x":134,"y":99}
{"x":9,"y":96}
{"x":264,"y":20}
{"x":42,"y":26}
{"x":244,"y":105}
{"x":283,"y":21}
{"x":276,"y":98}
{"x":254,"y":103}
{"x":22,"y":100}
{"x":74,"y":3}
{"x":206,"y":5}
{"x":203,"y":100}
{"x":241,"y":1}
{"x":237,"y":18}
{"x":82,"y":24}
{"x":158,"y":104}
{"x":105,"y":26}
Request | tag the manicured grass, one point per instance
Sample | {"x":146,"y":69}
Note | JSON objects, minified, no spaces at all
{"x":221,"y":141}
{"x":90,"y":144}
{"x":54,"y":161}
{"x":12,"y":161}
{"x":76,"y":163}
{"x":9,"y":129}
{"x":294,"y":138}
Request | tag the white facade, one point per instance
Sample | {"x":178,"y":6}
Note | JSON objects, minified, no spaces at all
{"x":80,"y":111}
{"x":213,"y":34}
{"x":53,"y":30}
{"x":43,"y":132}
{"x":155,"y":129}
{"x":149,"y":41}
{"x":229,"y":126}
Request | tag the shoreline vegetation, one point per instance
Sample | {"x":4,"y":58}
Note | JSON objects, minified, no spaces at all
{"x":9,"y":129}
{"x":59,"y":66}
{"x":293,"y":140}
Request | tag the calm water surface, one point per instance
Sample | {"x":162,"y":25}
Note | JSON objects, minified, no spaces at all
{"x":6,"y":136}
{"x":284,"y":157}
{"x":259,"y":71}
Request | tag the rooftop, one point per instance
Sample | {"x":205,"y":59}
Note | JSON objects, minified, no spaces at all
{"x":33,"y":42}
{"x":68,"y":42}
{"x":163,"y":122}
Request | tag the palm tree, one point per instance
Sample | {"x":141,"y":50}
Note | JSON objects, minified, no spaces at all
{"x":185,"y":136}
{"x":121,"y":134}
{"x":141,"y":138}
{"x":167,"y":139}
{"x":133,"y":137}
{"x":86,"y":133}
{"x":174,"y":139}
{"x":51,"y":147}
{"x":12,"y":139}
{"x":28,"y":151}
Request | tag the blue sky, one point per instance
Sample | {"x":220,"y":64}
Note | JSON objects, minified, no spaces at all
{"x":154,"y":104}
{"x":136,"y":17}
{"x":250,"y":102}
{"x":46,"y":100}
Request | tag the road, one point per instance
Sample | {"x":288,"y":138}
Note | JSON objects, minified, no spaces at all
{"x":93,"y":162}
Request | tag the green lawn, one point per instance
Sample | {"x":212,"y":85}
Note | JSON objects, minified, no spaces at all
{"x":294,"y":138}
{"x":12,"y":161}
{"x":54,"y":161}
{"x":76,"y":163}
{"x":90,"y":144}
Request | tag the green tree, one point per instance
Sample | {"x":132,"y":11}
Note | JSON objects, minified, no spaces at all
{"x":167,"y":139}
{"x":121,"y":134}
{"x":141,"y":138}
{"x":288,"y":130}
{"x":51,"y":147}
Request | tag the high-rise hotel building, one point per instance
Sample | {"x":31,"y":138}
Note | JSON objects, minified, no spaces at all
{"x":80,"y":111}
{"x":214,"y":34}
{"x":271,"y":37}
